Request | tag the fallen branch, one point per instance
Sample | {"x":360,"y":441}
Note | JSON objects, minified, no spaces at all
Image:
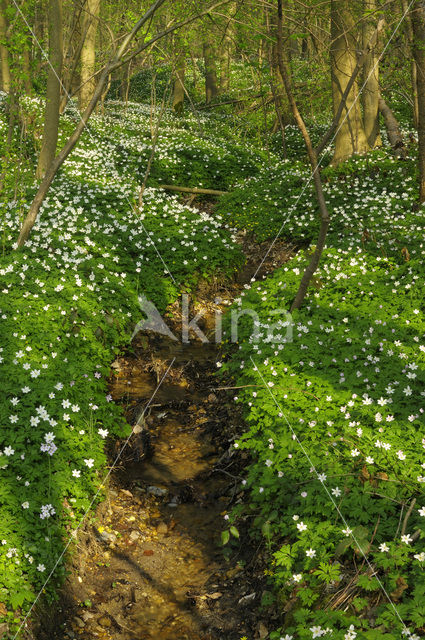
{"x":211,"y":192}
{"x":393,"y":129}
{"x":212,"y":105}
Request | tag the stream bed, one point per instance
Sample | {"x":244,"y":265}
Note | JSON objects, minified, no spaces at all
{"x":150,"y":566}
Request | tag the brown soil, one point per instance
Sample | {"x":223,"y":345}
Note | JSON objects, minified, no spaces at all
{"x":150,"y":566}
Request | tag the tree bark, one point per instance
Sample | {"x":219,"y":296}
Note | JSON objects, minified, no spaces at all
{"x":210,"y":70}
{"x":227,"y":48}
{"x":342,"y":104}
{"x":413,"y":69}
{"x":350,"y":137}
{"x":393,"y":130}
{"x":179,"y":73}
{"x":370,"y":95}
{"x":4,"y":53}
{"x":88,"y":52}
{"x":324,"y":213}
{"x":418,"y":24}
{"x":51,"y":111}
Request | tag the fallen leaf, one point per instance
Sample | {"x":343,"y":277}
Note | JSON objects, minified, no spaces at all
{"x":148,"y":552}
{"x":214,"y":596}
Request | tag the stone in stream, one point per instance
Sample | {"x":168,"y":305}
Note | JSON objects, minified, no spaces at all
{"x":105,"y":536}
{"x":104,"y":621}
{"x":134,"y":535}
{"x":162,"y":528}
{"x":156,"y":491}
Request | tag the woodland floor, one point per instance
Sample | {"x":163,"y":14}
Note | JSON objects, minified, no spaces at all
{"x":150,"y":565}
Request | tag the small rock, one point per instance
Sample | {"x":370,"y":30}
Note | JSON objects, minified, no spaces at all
{"x":105,"y":536}
{"x":86,"y":616}
{"x":247,"y":599}
{"x":80,"y":623}
{"x":156,"y":491}
{"x":104,"y":621}
{"x":162,"y":528}
{"x":134,"y":535}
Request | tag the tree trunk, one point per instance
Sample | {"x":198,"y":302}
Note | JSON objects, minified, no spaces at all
{"x":179,"y":72}
{"x":4,"y":53}
{"x":370,"y":93}
{"x":418,"y":24}
{"x":413,"y":69}
{"x":88,"y":52}
{"x":350,"y":137}
{"x":227,"y":48}
{"x":210,"y":71}
{"x":51,"y":112}
{"x":393,"y":130}
{"x":324,"y":214}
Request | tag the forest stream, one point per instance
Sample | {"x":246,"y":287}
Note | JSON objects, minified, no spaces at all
{"x":150,"y":566}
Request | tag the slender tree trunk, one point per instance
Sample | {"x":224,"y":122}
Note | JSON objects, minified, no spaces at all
{"x":227,"y":48}
{"x":179,"y":73}
{"x":413,"y":68}
{"x":72,"y":56}
{"x":88,"y":52}
{"x":210,"y":71}
{"x":4,"y":53}
{"x":418,"y":24}
{"x":324,"y":214}
{"x":370,"y":95}
{"x":351,"y":137}
{"x":51,"y":112}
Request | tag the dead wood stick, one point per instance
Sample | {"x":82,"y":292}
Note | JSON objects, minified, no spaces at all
{"x":211,"y":192}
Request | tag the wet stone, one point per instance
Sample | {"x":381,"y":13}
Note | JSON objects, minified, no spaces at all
{"x":162,"y":528}
{"x":104,"y":621}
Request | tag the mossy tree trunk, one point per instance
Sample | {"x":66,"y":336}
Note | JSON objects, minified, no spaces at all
{"x":413,"y":69}
{"x":211,"y":89}
{"x":51,"y":112}
{"x":418,"y":24}
{"x":227,"y":46}
{"x":350,"y":137}
{"x":179,"y":74}
{"x":88,"y":52}
{"x":370,"y":95}
{"x":4,"y":53}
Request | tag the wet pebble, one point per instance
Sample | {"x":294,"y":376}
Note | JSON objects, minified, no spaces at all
{"x":104,"y":621}
{"x":156,"y":491}
{"x":162,"y":528}
{"x":80,"y":623}
{"x":134,"y":535}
